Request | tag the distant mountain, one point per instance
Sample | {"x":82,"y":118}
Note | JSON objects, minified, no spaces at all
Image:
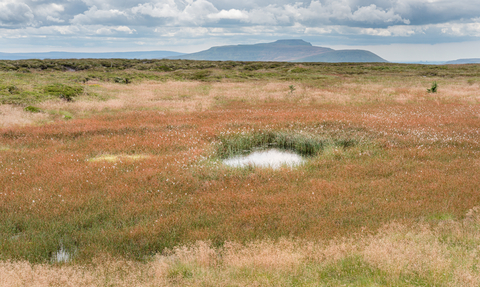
{"x":295,"y":50}
{"x":342,"y":56}
{"x":422,"y":62}
{"x":464,"y":61}
{"x":281,"y":50}
{"x":73,"y":55}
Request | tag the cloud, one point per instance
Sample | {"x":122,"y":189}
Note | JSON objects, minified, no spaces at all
{"x":196,"y":12}
{"x":97,"y":16}
{"x":159,"y":10}
{"x":232,"y":14}
{"x":247,"y":21}
{"x":53,"y":19}
{"x":114,"y":30}
{"x":45,"y":10}
{"x":462,"y":29}
{"x":371,"y":14}
{"x":14,"y":14}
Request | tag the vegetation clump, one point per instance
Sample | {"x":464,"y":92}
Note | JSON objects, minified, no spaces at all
{"x":121,"y":80}
{"x":433,"y":89}
{"x":12,"y":89}
{"x":32,"y":109}
{"x":306,"y":145}
{"x":292,"y":88}
{"x":62,"y":91}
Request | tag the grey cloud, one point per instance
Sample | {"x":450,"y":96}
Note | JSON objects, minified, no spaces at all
{"x":336,"y":21}
{"x":203,"y":12}
{"x":313,"y":13}
{"x":14,"y":14}
{"x":96,"y":16}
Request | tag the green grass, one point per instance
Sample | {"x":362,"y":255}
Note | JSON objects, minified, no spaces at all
{"x":62,"y":91}
{"x":304,"y":144}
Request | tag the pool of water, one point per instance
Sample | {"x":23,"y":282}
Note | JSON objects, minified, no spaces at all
{"x":61,"y":256}
{"x":273,"y":158}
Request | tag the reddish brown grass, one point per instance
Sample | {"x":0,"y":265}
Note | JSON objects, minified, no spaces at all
{"x":137,"y":173}
{"x":425,"y":162}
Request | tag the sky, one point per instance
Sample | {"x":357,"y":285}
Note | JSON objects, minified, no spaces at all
{"x":397,"y":30}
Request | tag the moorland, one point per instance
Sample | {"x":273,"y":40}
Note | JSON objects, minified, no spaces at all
{"x":111,"y":174}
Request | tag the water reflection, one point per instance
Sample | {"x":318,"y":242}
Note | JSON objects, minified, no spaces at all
{"x":273,"y":158}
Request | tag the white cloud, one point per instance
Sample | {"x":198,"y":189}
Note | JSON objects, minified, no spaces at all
{"x":159,"y":10}
{"x":318,"y":31}
{"x":375,"y":32}
{"x":53,"y":19}
{"x":52,"y":9}
{"x":13,"y":13}
{"x":182,"y":31}
{"x":462,"y":29}
{"x":372,"y":14}
{"x":232,"y":14}
{"x":113,"y":30}
{"x":66,"y":30}
{"x":96,"y":16}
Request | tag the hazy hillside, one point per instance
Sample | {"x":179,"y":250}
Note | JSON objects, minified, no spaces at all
{"x":340,"y":56}
{"x":281,"y":50}
{"x":73,"y":55}
{"x":464,"y":61}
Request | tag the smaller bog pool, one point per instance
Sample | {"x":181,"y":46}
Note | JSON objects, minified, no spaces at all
{"x":272,"y":158}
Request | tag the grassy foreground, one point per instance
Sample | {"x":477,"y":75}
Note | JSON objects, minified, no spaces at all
{"x":108,"y":181}
{"x":445,"y":254}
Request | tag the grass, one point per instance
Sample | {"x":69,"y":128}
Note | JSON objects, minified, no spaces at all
{"x":384,"y":198}
{"x":117,"y":158}
{"x":442,"y":254}
{"x":304,"y":144}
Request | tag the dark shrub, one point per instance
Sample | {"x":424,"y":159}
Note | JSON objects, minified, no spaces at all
{"x":68,"y":93}
{"x":32,"y":109}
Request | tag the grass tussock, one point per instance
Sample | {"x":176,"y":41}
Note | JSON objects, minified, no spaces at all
{"x":442,"y":254}
{"x":304,"y":144}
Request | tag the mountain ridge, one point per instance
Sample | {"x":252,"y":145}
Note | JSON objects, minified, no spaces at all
{"x":280,"y":50}
{"x":342,"y":56}
{"x":464,"y":61}
{"x":285,"y":50}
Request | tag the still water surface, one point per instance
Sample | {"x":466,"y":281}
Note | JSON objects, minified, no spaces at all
{"x":272,"y":158}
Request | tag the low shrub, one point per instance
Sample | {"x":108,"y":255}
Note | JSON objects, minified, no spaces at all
{"x":122,"y":80}
{"x":63,"y":91}
{"x":11,"y":89}
{"x":433,"y":89}
{"x":32,"y":109}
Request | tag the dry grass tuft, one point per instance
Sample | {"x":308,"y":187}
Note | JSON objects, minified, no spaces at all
{"x":397,"y":255}
{"x":15,"y":116}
